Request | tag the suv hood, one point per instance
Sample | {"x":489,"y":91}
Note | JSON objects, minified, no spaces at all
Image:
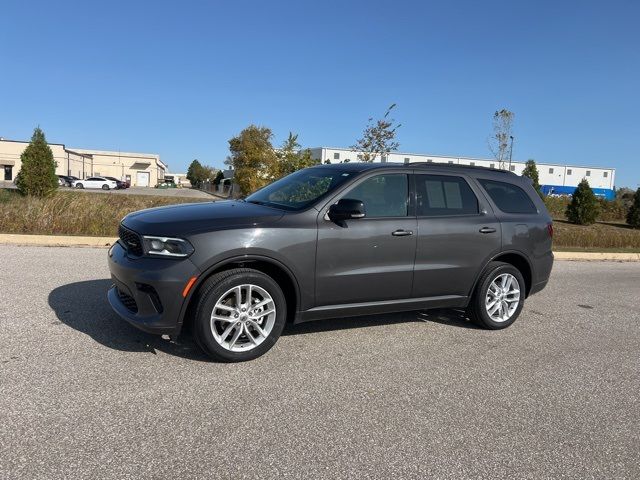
{"x":180,"y":220}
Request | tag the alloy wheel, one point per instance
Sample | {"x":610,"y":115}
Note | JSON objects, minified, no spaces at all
{"x":503,"y":297}
{"x":243,"y":318}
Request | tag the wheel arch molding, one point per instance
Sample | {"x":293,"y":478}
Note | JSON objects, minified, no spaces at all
{"x":513,"y":257}
{"x":263,"y":263}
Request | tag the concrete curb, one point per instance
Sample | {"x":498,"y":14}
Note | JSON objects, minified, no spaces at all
{"x":597,"y":256}
{"x":105,"y":242}
{"x":56,"y":240}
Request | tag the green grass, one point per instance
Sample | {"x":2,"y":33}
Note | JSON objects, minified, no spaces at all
{"x":73,"y":213}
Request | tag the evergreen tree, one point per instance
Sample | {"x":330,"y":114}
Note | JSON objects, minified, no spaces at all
{"x":196,"y":173}
{"x":37,"y":175}
{"x":633,"y":217}
{"x":531,"y":171}
{"x":584,"y":207}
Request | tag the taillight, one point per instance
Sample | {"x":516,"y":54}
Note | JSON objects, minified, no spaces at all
{"x":550,"y":229}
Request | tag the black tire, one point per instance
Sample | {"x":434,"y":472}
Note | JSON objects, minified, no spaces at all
{"x":211,"y":291}
{"x":79,"y":185}
{"x":105,"y":187}
{"x":477,"y":311}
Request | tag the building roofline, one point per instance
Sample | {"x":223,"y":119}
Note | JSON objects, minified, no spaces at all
{"x":469,"y":158}
{"x":29,"y":141}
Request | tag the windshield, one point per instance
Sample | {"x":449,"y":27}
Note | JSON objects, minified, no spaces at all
{"x":300,"y":189}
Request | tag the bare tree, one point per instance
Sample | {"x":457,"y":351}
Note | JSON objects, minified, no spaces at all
{"x":378,"y":138}
{"x":499,"y":142}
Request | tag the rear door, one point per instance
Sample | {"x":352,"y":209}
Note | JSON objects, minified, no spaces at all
{"x":368,"y":259}
{"x":457,"y":234}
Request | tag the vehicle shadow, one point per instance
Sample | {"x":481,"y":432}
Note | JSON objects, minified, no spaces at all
{"x":83,"y":306}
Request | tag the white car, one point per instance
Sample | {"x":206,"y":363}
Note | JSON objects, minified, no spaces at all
{"x":95,"y":182}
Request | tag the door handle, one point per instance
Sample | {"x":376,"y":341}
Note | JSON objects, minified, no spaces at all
{"x":402,"y":233}
{"x":487,"y":230}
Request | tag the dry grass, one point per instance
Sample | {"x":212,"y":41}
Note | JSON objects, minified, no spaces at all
{"x":81,"y":213}
{"x":73,"y":213}
{"x":597,"y":237}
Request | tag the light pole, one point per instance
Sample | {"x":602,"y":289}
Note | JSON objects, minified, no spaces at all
{"x":510,"y":151}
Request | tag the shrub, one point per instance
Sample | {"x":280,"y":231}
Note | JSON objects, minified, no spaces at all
{"x":633,"y":217}
{"x":583,"y":208}
{"x":37,"y":176}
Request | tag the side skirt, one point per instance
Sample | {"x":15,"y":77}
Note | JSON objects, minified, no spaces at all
{"x":387,"y":306}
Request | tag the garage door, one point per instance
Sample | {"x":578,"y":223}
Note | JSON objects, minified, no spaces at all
{"x":142,"y":179}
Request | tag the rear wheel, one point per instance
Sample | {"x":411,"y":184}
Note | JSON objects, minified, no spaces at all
{"x":499,"y":296}
{"x":240,"y":315}
{"x":105,"y":187}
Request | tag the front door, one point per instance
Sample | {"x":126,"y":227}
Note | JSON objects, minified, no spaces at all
{"x":457,"y":234}
{"x":368,"y":259}
{"x":8,"y":172}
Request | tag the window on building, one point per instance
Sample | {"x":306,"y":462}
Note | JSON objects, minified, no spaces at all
{"x":512,"y":168}
{"x":407,"y":159}
{"x":508,"y":198}
{"x":551,"y":170}
{"x":569,"y":171}
{"x":473,"y":164}
{"x":429,"y":161}
{"x":336,"y":156}
{"x":588,"y":173}
{"x":450,"y":161}
{"x":492,"y":165}
{"x":605,"y":174}
{"x":8,"y":172}
{"x":441,"y":195}
{"x":383,"y":195}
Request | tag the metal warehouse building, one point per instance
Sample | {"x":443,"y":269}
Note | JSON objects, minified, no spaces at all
{"x":554,"y":178}
{"x":141,"y":169}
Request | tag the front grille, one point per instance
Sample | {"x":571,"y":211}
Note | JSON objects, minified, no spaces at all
{"x":130,"y":240}
{"x":128,"y":301}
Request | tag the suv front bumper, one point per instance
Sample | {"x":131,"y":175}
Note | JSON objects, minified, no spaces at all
{"x":147,"y":292}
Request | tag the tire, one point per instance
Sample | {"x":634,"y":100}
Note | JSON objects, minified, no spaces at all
{"x":220,"y":292}
{"x":79,"y":185}
{"x":105,"y":187}
{"x":482,"y":301}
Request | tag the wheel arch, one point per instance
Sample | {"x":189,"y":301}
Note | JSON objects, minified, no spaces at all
{"x":520,"y":261}
{"x":267,"y":265}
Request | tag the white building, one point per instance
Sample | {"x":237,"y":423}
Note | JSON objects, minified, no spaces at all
{"x":554,"y":178}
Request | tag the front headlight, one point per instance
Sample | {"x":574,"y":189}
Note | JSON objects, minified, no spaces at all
{"x":166,"y":247}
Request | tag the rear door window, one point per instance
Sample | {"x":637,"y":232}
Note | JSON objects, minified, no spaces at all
{"x":442,"y":195}
{"x":508,"y":197}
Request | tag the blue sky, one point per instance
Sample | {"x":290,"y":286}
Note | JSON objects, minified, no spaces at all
{"x":181,"y":78}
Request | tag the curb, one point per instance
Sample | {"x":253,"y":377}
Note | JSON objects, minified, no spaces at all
{"x":597,"y":256}
{"x":56,"y":240}
{"x":105,"y":242}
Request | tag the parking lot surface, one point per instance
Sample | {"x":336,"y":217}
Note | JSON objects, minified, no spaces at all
{"x":415,"y":395}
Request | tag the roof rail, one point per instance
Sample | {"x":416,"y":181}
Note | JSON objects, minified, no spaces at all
{"x":457,"y":165}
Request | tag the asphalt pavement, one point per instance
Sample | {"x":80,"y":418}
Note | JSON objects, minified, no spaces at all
{"x":415,"y":395}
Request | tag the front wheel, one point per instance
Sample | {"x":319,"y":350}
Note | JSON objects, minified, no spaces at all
{"x":79,"y":185}
{"x":240,"y":315}
{"x":499,"y":296}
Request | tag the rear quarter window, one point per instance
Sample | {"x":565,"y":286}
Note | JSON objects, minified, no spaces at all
{"x":508,"y":197}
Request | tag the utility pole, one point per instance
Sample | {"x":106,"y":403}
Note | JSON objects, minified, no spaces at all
{"x":510,"y":152}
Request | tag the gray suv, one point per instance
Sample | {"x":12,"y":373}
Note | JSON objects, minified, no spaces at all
{"x":333,"y":241}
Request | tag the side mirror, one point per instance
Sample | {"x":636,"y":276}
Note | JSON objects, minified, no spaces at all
{"x":346,"y":209}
